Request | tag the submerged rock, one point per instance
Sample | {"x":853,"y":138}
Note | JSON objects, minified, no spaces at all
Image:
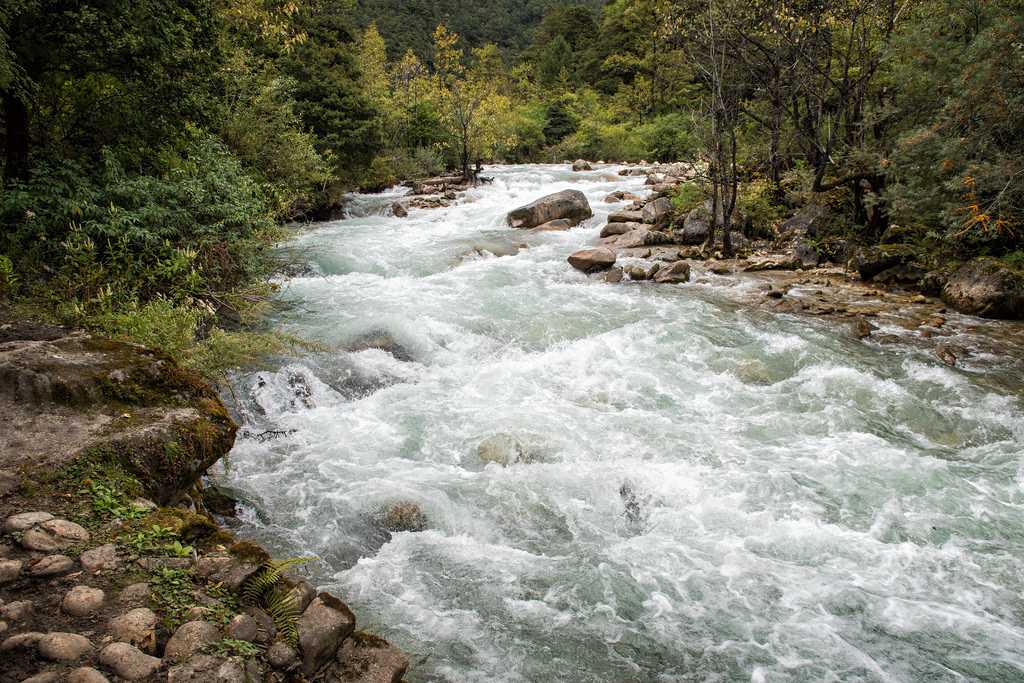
{"x":503,"y":449}
{"x":383,"y":341}
{"x":676,"y":273}
{"x":402,"y":516}
{"x":571,"y":205}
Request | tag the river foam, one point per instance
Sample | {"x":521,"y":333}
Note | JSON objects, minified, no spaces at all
{"x":714,"y":493}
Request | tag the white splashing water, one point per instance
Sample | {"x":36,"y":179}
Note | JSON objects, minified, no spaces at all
{"x":802,"y":507}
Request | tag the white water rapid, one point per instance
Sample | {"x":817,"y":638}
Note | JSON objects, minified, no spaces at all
{"x":709,"y":492}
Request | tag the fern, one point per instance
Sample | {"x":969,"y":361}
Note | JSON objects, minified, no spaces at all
{"x":266,"y":590}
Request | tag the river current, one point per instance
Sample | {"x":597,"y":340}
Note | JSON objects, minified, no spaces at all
{"x":709,"y":492}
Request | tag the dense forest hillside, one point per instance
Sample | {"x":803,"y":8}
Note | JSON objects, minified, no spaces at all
{"x":409,"y":24}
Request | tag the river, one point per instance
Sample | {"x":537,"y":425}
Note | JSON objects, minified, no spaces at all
{"x":710,"y":492}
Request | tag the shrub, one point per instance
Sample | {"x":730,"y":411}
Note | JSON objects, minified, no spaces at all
{"x":687,"y":197}
{"x":158,"y":324}
{"x":757,"y":207}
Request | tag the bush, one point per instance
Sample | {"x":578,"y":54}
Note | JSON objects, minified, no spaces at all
{"x":198,"y":225}
{"x":687,"y":197}
{"x":392,"y":167}
{"x":158,"y":324}
{"x":756,"y":205}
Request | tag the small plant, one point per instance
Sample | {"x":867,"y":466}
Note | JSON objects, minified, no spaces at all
{"x":171,"y":594}
{"x":157,"y":539}
{"x":687,"y":197}
{"x":267,"y":590}
{"x":229,"y":647}
{"x":110,"y":502}
{"x":8,"y":277}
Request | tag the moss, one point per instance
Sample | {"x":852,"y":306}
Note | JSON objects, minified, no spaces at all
{"x":247,"y":551}
{"x":368,"y":640}
{"x":186,"y":525}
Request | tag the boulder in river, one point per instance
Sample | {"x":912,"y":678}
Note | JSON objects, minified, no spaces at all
{"x":613,"y":229}
{"x":986,"y":287}
{"x":676,"y":273}
{"x":593,"y":260}
{"x":581,"y":165}
{"x":626,"y":217}
{"x":503,"y":449}
{"x":658,"y":212}
{"x":571,"y":205}
{"x":555,"y":225}
{"x":398,"y":210}
{"x":404,"y":515}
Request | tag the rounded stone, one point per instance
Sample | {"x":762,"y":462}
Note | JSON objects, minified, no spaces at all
{"x":17,"y":611}
{"x":99,"y":559}
{"x":86,"y":674}
{"x":64,"y":647}
{"x":51,"y":565}
{"x":44,"y":677}
{"x":137,"y":592}
{"x":282,"y":656}
{"x":136,"y":627}
{"x":128,"y":662}
{"x":81,"y":601}
{"x":190,"y":638}
{"x":25,"y":520}
{"x":54,"y":534}
{"x":243,"y":627}
{"x":10,"y":570}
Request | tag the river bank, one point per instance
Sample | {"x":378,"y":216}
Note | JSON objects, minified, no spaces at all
{"x":112,"y":567}
{"x":631,"y":480}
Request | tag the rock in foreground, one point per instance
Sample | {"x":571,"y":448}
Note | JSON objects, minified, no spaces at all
{"x":571,"y":205}
{"x":593,"y":260}
{"x":987,"y":288}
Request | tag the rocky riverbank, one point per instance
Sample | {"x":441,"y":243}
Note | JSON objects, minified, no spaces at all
{"x":111,"y":566}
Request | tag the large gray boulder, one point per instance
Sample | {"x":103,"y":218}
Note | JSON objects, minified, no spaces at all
{"x":571,"y":205}
{"x":581,"y":165}
{"x":658,"y":212}
{"x":988,"y":288}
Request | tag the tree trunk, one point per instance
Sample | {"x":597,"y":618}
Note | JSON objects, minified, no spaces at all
{"x":16,"y":148}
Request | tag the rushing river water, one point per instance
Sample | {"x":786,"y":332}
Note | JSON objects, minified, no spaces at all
{"x":712,"y":492}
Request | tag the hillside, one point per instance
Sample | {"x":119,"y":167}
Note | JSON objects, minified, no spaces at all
{"x":409,"y":24}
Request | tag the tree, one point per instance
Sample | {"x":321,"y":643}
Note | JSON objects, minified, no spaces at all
{"x":462,"y":93}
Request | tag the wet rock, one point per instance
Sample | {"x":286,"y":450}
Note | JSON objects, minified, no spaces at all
{"x":676,"y":273}
{"x":243,"y":627}
{"x":933,"y":282}
{"x":25,"y":520}
{"x":136,"y":627}
{"x":901,"y":274}
{"x":54,"y":534}
{"x":128,"y":662}
{"x":626,"y":217}
{"x":190,"y":638}
{"x":102,"y":558}
{"x":282,"y":656}
{"x":51,"y":565}
{"x":10,"y":570}
{"x":133,"y":594}
{"x":304,"y":594}
{"x":658,"y":212}
{"x":19,"y":610}
{"x":861,"y":328}
{"x":210,"y":669}
{"x":86,"y":674}
{"x":571,"y":205}
{"x":402,"y":516}
{"x":398,"y":210}
{"x":948,"y":354}
{"x":496,"y":248}
{"x":581,"y":165}
{"x":383,"y":341}
{"x":613,"y":276}
{"x":621,"y":196}
{"x":555,"y":226}
{"x":81,"y":601}
{"x":64,"y":647}
{"x":986,"y":287}
{"x":365,"y":659}
{"x":613,"y":229}
{"x":640,"y":273}
{"x":503,"y":449}
{"x":592,"y":260}
{"x":322,"y":627}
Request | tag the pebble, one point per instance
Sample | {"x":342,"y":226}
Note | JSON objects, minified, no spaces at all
{"x":52,"y":565}
{"x":128,"y":661}
{"x":25,"y":520}
{"x":136,"y":627}
{"x":86,"y":674}
{"x":81,"y":601}
{"x":44,"y":677}
{"x":17,"y":611}
{"x":99,"y":559}
{"x":64,"y":647}
{"x":10,"y":570}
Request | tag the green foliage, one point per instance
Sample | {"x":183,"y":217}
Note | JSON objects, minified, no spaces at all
{"x":234,"y":648}
{"x":170,"y":592}
{"x":157,"y":540}
{"x":157,"y":324}
{"x":756,"y":204}
{"x":268,"y":590}
{"x":222,"y":351}
{"x":687,"y":197}
{"x":109,"y":501}
{"x":8,"y":277}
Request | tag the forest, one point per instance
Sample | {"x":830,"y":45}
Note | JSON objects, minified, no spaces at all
{"x":154,"y":150}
